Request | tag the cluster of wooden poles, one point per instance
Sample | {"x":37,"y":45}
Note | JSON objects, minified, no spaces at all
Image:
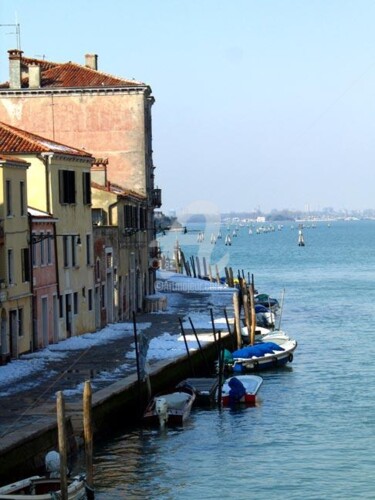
{"x":88,"y":439}
{"x":199,"y":268}
{"x":244,"y":298}
{"x":196,"y":268}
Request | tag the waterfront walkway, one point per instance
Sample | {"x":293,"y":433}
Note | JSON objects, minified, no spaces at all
{"x":30,"y":401}
{"x":28,"y":405}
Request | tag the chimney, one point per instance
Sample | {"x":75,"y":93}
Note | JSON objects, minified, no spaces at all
{"x":91,"y":61}
{"x":15,"y":56}
{"x":34,"y":76}
{"x":99,"y":171}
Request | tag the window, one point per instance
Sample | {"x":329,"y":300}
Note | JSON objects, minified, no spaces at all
{"x":22,"y":198}
{"x":33,"y":250}
{"x":61,"y":306}
{"x":67,"y":186}
{"x":143,"y":219}
{"x":20,"y":322}
{"x":133,"y":218}
{"x":66,"y":251}
{"x":10,"y":267}
{"x":90,"y":299}
{"x":13,"y":323}
{"x":99,"y":217}
{"x":75,"y":302}
{"x":73,"y":245}
{"x":49,"y":248}
{"x":88,"y":250}
{"x":109,"y":260}
{"x":86,"y":182}
{"x":16,"y":322}
{"x":25,"y":265}
{"x":8,"y":194}
{"x":102,"y":298}
{"x":42,"y":249}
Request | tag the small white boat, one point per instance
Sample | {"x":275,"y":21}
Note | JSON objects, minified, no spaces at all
{"x":43,"y":488}
{"x":171,"y":407}
{"x":241,"y":389}
{"x":47,"y":487}
{"x":266,"y":335}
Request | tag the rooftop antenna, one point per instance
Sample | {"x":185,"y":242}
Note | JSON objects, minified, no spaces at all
{"x":17,"y":32}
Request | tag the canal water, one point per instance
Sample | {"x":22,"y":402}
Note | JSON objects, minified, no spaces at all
{"x":312,"y":434}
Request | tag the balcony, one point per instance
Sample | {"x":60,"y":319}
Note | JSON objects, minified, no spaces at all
{"x":156,"y":198}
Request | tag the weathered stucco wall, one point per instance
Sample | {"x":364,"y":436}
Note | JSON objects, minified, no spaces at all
{"x":109,"y":125}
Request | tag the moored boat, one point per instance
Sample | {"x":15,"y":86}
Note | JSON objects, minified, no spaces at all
{"x":261,"y":356}
{"x":170,"y":407}
{"x":267,"y":301}
{"x":43,"y":488}
{"x":241,"y":389}
{"x":205,"y":389}
{"x":266,"y":335}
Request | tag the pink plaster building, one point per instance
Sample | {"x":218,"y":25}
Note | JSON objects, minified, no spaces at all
{"x":44,"y":282}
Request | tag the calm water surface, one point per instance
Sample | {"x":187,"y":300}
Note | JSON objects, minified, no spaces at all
{"x":312,"y":435}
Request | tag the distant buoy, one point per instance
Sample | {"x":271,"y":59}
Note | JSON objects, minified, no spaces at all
{"x":301,"y":241}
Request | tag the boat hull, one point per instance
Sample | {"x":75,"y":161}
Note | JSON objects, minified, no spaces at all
{"x":43,"y":488}
{"x":275,"y":359}
{"x":178,"y":403}
{"x":251,"y":384}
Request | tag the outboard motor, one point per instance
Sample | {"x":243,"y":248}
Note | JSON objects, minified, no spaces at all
{"x":237,"y":390}
{"x":52,"y":464}
{"x":161,"y":408}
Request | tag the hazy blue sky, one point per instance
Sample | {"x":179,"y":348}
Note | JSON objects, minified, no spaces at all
{"x":259,"y":103}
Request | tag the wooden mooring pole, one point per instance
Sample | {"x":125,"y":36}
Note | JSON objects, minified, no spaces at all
{"x":236,"y":307}
{"x":200,"y":346}
{"x":61,"y":429}
{"x":88,"y":437}
{"x":186,"y":347}
{"x":232,"y":336}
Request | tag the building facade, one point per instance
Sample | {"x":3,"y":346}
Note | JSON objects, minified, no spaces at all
{"x":126,"y":212}
{"x":43,"y":279}
{"x":58,"y":183}
{"x":88,"y":109}
{"x":15,"y":296}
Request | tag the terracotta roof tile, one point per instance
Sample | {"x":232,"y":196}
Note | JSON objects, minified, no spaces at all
{"x":44,"y":65}
{"x":74,"y":75}
{"x":119,"y":191}
{"x":71,"y":75}
{"x":13,"y":159}
{"x":15,"y":140}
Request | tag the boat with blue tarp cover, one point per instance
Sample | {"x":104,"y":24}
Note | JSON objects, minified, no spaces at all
{"x":260,"y":356}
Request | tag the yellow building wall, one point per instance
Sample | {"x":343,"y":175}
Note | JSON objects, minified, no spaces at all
{"x":72,"y":219}
{"x":16,"y":295}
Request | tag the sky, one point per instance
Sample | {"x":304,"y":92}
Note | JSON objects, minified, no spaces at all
{"x":260,"y":104}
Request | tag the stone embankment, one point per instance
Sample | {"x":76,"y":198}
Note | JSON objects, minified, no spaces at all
{"x":28,"y":425}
